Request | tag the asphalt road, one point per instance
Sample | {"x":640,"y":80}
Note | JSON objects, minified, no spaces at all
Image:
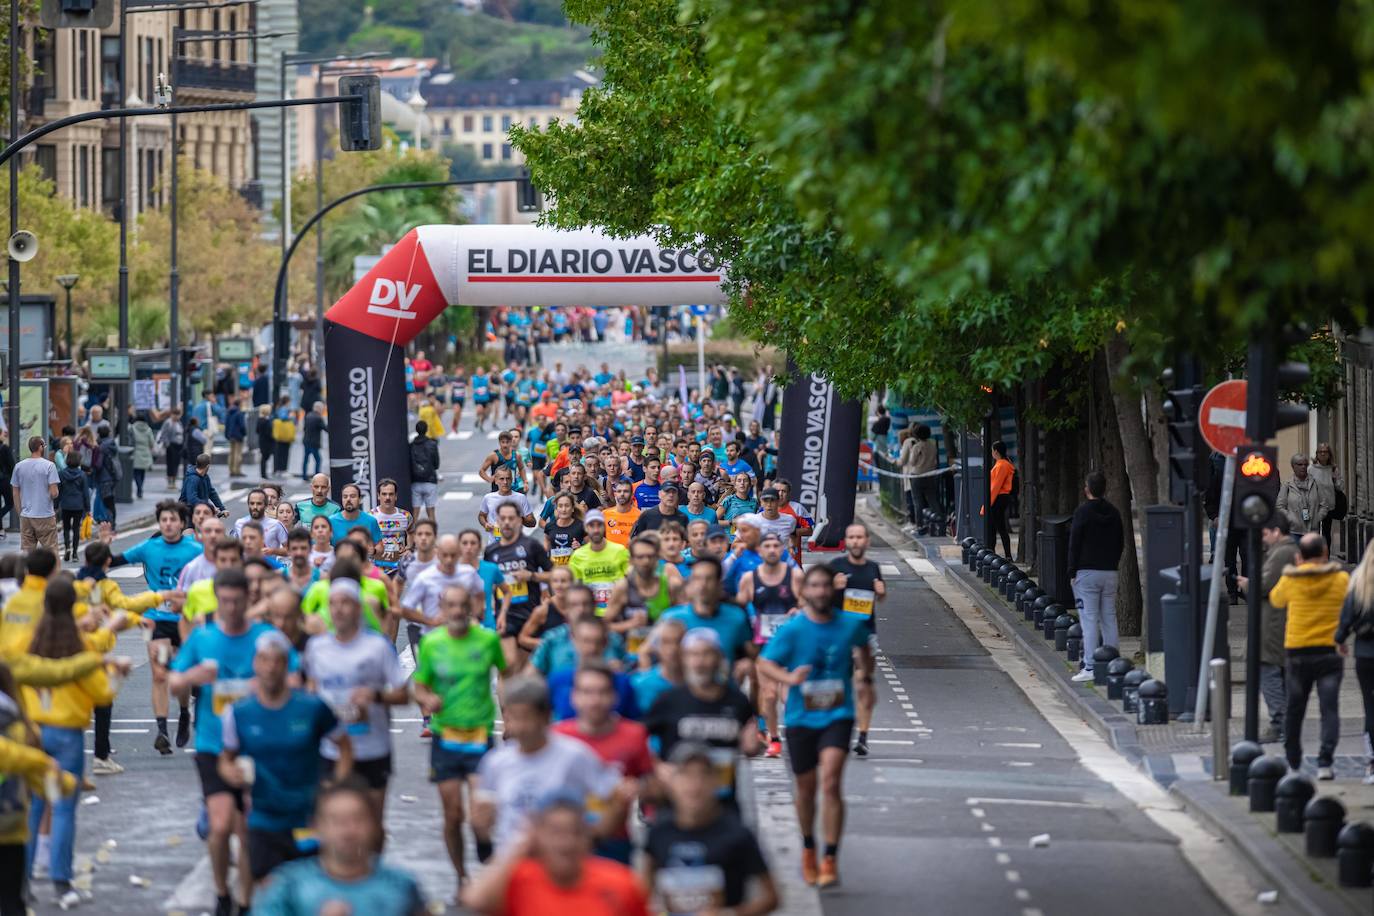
{"x":964,"y":771}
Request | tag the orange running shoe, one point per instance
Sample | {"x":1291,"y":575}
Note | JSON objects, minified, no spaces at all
{"x":774,"y":749}
{"x":809,"y":872}
{"x":830,"y":873}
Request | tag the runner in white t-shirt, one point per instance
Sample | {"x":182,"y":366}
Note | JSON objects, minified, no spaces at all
{"x":486,"y":513}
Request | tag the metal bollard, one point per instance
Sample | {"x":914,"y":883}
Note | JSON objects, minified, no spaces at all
{"x":1154,"y":703}
{"x":1073,"y":643}
{"x":1130,"y":689}
{"x":1117,"y":669}
{"x":1018,"y":592}
{"x":1219,"y":687}
{"x":1290,"y":800}
{"x":966,"y":548}
{"x":1265,"y":773}
{"x":1102,"y":657}
{"x":1355,"y":855}
{"x":999,"y":579}
{"x":1243,"y":753}
{"x":1322,"y":823}
{"x":1062,"y":624}
{"x":1048,"y":620}
{"x":1014,"y":578}
{"x":1028,"y":599}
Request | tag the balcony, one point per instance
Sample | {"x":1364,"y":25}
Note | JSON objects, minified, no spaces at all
{"x":220,"y":76}
{"x":251,"y":191}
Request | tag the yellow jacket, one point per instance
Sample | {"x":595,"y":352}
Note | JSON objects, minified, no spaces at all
{"x":21,"y":615}
{"x":19,"y":760}
{"x":1313,"y":593}
{"x":434,"y":425}
{"x":69,"y":705}
{"x":112,"y":596}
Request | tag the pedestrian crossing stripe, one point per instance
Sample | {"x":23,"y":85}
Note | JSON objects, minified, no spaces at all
{"x":493,"y":434}
{"x":891,"y":569}
{"x":471,"y":477}
{"x":454,"y":495}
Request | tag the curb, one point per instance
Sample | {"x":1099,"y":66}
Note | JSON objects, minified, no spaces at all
{"x":1299,"y":883}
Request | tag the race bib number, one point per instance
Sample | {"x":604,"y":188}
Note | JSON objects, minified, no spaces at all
{"x":464,"y":740}
{"x":723,"y":760}
{"x":480,"y":391}
{"x":228,"y":691}
{"x":305,"y":839}
{"x":686,"y":890}
{"x":519,"y":591}
{"x":340,"y":701}
{"x":769,"y":623}
{"x":602,"y":592}
{"x":859,"y":601}
{"x":561,"y":555}
{"x":635,"y":639}
{"x":822,"y":695}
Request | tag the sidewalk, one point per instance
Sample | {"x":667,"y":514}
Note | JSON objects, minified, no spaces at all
{"x":1178,"y":755}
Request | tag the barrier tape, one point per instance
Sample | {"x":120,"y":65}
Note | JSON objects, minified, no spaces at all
{"x":865,"y":465}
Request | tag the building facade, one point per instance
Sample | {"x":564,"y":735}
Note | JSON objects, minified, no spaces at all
{"x":478,"y":114}
{"x":82,"y":70}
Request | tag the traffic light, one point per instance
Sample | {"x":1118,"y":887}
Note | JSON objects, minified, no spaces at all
{"x":527,"y":196}
{"x":76,"y":14}
{"x":1188,"y":454}
{"x":1257,"y":486}
{"x":360,"y":120}
{"x":1265,"y":415}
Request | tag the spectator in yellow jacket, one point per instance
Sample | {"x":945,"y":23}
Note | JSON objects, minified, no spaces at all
{"x":62,"y":714}
{"x":24,"y":769}
{"x":1313,"y":592}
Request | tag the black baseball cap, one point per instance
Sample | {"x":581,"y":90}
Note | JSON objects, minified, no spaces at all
{"x":717,"y":531}
{"x":770,"y":493}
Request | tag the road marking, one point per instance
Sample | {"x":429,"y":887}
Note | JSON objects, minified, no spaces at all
{"x":454,"y":495}
{"x":994,"y":842}
{"x":922,"y":566}
{"x":1013,"y":876}
{"x":1021,"y":744}
{"x":890,"y":569}
{"x":1003,"y":859}
{"x":977,"y":812}
{"x":1019,"y":763}
{"x":465,"y":434}
{"x":1031,"y":911}
{"x":987,"y":828}
{"x":471,"y":477}
{"x":889,"y":741}
{"x":1023,"y":895}
{"x":1028,"y":802}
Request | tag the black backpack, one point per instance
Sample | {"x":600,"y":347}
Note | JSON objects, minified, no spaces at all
{"x":420,"y":466}
{"x":1015,"y":484}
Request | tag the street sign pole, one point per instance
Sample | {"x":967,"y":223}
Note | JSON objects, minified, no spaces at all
{"x":1209,"y":631}
{"x":701,"y":356}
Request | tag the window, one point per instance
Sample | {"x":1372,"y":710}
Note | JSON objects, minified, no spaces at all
{"x":486,"y":151}
{"x":486,"y":123}
{"x":45,"y":62}
{"x":151,"y":190}
{"x":45,"y":157}
{"x":145,"y":87}
{"x":505,"y":123}
{"x":534,"y":122}
{"x":505,"y":152}
{"x":84,"y":182}
{"x":109,"y":68}
{"x":83,"y":64}
{"x":109,"y":180}
{"x":467,"y":124}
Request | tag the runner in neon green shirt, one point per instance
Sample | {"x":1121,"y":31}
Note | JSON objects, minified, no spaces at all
{"x":599,"y":564}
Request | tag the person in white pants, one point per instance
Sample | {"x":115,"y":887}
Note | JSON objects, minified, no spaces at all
{"x":1096,"y":539}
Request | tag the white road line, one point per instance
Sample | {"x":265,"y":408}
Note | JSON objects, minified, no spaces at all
{"x":1003,"y":859}
{"x":1019,"y":763}
{"x":465,"y":434}
{"x":986,"y":827}
{"x":889,"y":741}
{"x":890,"y":569}
{"x":454,"y":495}
{"x":470,"y":477}
{"x":921,"y":566}
{"x":1028,"y":802}
{"x":977,"y":812}
{"x":1013,"y":876}
{"x":1022,"y":744}
{"x":1023,"y":895}
{"x":994,"y":842}
{"x":1031,"y":911}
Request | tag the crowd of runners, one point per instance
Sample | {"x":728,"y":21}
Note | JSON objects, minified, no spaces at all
{"x":624,"y":616}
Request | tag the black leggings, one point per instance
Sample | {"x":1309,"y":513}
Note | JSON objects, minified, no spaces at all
{"x":1364,"y":671}
{"x":71,"y":529}
{"x":103,"y":716}
{"x":173,"y":460}
{"x":12,"y":880}
{"x":1000,"y":525}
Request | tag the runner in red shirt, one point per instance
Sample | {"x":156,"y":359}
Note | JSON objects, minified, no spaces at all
{"x":552,"y":870}
{"x":617,"y":741}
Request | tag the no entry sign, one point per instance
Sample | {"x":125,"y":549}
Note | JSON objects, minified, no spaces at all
{"x":1222,"y":417}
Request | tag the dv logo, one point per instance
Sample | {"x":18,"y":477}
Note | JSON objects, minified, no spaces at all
{"x":385,"y":292}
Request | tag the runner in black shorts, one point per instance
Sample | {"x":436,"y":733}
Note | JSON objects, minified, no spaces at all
{"x":525,"y":564}
{"x":859,"y":590}
{"x":812,"y":655}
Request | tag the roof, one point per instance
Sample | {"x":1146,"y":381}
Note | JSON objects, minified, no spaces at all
{"x":443,"y":91}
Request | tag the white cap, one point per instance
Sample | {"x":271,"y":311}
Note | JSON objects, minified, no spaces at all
{"x":752,"y":519}
{"x":346,"y":588}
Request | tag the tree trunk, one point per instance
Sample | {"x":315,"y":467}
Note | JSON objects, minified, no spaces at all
{"x":1157,"y":429}
{"x":1114,"y":450}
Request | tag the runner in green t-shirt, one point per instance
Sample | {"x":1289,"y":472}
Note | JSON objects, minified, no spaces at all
{"x":453,"y":687}
{"x":315,"y":601}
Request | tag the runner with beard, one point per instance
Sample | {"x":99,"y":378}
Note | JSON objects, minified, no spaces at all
{"x":525,"y":565}
{"x":859,"y":588}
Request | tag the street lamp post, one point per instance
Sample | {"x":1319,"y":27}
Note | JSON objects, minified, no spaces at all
{"x":12,"y":405}
{"x":67,"y":282}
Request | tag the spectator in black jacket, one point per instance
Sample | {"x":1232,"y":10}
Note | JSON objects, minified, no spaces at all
{"x":424,"y":472}
{"x":310,"y":386}
{"x":6,"y":471}
{"x":197,"y":488}
{"x":110,"y":472}
{"x":312,"y":438}
{"x":1096,"y":539}
{"x":266,"y":444}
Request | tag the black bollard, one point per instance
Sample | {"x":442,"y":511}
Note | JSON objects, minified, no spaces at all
{"x":1117,"y":669}
{"x":999,"y":578}
{"x":966,"y":548}
{"x":1102,"y":657}
{"x":1048,"y":620}
{"x":1028,"y":599}
{"x":1265,"y":773}
{"x":1073,"y":643}
{"x":1290,"y":800}
{"x":1130,"y":689}
{"x":1013,"y":579}
{"x":1355,"y":855}
{"x":1154,"y":703}
{"x":1243,"y":753}
{"x":1038,"y":610}
{"x":1322,"y":823}
{"x":1018,"y":588}
{"x":1062,"y":624}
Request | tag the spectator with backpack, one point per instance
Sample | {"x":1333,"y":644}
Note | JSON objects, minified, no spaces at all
{"x":424,"y":472}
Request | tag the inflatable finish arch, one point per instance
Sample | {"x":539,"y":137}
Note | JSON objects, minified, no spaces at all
{"x":434,"y":267}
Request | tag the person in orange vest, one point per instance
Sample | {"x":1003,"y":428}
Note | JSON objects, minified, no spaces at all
{"x":1002,"y":479}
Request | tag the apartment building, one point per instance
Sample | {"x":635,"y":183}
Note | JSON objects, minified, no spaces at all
{"x":479,"y":114}
{"x":80,"y":70}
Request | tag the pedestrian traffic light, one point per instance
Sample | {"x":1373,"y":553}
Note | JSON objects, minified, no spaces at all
{"x":360,"y":119}
{"x":76,"y":14}
{"x":1187,"y":452}
{"x":1266,"y":377}
{"x":1257,"y":486}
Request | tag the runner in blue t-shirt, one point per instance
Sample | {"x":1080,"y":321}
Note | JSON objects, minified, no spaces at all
{"x":218,"y":658}
{"x":813,"y":654}
{"x":164,"y":556}
{"x":481,"y":398}
{"x":352,"y":516}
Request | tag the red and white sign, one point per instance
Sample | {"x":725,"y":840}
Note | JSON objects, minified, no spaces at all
{"x":1222,"y":417}
{"x":437,"y":266}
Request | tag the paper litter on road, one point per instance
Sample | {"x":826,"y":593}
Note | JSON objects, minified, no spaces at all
{"x":1268,"y":897}
{"x":110,"y":844}
{"x":102,"y":856}
{"x":139,"y":881}
{"x":91,"y":800}
{"x":174,"y":840}
{"x":1040,"y":841}
{"x":409,"y":799}
{"x":82,"y":864}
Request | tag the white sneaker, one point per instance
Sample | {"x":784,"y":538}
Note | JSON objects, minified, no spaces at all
{"x":40,"y":866}
{"x":1082,"y":676}
{"x":1368,"y":775}
{"x":104,"y":766}
{"x":1326,"y":773}
{"x":69,"y":899}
